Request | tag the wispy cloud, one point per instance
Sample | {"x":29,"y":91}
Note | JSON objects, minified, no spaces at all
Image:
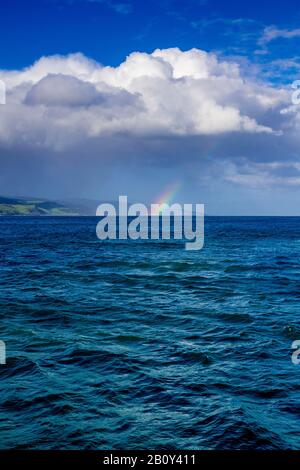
{"x":272,"y":32}
{"x":225,"y":21}
{"x":234,"y":35}
{"x":123,"y":8}
{"x":244,"y":35}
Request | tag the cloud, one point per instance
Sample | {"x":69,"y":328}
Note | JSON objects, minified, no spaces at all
{"x":261,"y":175}
{"x":63,"y":90}
{"x":66,"y":91}
{"x":123,"y":8}
{"x":271,"y":33}
{"x":234,"y":35}
{"x":118,"y":7}
{"x":168,"y":92}
{"x":242,"y":35}
{"x":188,"y":111}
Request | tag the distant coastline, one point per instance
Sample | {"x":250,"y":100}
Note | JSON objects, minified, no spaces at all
{"x":45,"y":207}
{"x":32,"y":207}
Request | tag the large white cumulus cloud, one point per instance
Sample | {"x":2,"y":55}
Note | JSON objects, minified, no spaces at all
{"x":169,"y":92}
{"x":71,"y":115}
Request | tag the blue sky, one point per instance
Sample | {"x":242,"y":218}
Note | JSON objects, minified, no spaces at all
{"x":109,"y":30}
{"x":109,"y":97}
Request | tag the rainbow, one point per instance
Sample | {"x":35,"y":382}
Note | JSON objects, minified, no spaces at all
{"x":166,"y":197}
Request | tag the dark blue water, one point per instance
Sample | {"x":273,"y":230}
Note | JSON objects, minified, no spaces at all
{"x":136,"y":345}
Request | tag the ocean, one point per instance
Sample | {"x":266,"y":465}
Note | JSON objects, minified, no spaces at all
{"x":144,"y":345}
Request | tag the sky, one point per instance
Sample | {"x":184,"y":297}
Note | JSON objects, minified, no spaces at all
{"x":136,"y":97}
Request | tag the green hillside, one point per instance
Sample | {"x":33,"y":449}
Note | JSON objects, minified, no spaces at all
{"x":11,"y":206}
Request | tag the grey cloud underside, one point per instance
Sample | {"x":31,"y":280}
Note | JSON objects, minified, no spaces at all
{"x":186,"y":110}
{"x":67,"y":91}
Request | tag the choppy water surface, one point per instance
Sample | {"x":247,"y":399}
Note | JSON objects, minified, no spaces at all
{"x":140,"y":345}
